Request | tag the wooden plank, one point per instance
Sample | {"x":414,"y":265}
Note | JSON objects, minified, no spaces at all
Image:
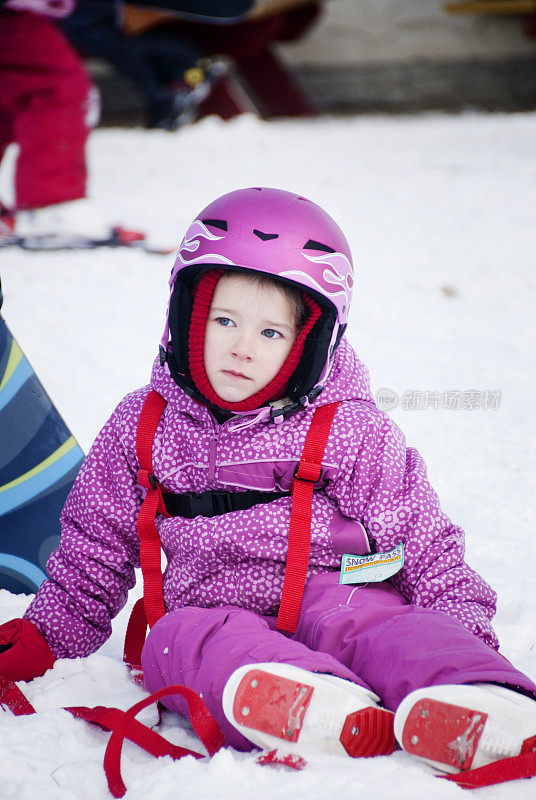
{"x":492,"y":7}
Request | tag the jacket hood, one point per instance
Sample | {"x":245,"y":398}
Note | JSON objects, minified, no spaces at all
{"x":348,"y":379}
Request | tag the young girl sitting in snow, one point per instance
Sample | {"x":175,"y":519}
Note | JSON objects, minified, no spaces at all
{"x":283,"y":654}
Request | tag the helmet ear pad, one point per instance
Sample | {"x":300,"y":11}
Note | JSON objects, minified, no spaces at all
{"x":180,"y":316}
{"x":313,"y":359}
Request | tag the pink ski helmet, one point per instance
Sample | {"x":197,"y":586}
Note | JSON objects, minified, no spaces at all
{"x":277,"y":233}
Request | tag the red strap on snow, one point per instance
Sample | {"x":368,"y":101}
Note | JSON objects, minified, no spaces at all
{"x":13,"y":699}
{"x":153,"y":596}
{"x":274,"y":757}
{"x":506,"y":769}
{"x":299,"y":537}
{"x":123,"y":725}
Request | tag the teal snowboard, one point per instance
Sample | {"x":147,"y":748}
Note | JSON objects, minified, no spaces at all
{"x":39,"y":460}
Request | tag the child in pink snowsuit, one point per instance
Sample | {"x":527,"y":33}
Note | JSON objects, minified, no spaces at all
{"x":253,"y":346}
{"x":44,"y":104}
{"x":48,"y":105}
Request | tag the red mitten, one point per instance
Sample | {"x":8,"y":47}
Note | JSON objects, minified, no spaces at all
{"x":24,"y":654}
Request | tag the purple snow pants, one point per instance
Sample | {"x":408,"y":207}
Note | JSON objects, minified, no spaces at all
{"x":368,"y":635}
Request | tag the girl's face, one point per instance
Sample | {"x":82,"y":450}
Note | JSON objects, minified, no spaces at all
{"x":250,"y":332}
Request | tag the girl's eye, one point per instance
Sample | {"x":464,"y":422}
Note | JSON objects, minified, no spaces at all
{"x":271,"y":334}
{"x":224,"y":321}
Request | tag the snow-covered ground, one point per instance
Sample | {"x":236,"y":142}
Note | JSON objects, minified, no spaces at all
{"x":440,"y":213}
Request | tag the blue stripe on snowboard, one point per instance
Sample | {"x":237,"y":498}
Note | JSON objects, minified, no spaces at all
{"x":22,"y":567}
{"x":22,"y":372}
{"x":23,"y":492}
{"x":30,"y":443}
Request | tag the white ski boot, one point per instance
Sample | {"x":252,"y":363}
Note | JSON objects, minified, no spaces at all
{"x":463,"y":727}
{"x":282,"y":707}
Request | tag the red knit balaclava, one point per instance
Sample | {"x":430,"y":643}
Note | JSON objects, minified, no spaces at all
{"x":196,"y":344}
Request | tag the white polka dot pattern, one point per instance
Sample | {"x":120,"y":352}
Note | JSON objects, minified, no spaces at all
{"x":239,"y":558}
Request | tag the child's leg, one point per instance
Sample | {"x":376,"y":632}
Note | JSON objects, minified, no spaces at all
{"x":6,"y":131}
{"x":46,"y":88}
{"x":201,"y":648}
{"x":395,"y":647}
{"x":423,"y":664}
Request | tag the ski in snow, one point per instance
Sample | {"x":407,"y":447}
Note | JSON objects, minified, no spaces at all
{"x":119,"y":238}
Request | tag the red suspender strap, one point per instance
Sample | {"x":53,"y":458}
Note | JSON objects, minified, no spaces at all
{"x":153,"y":597}
{"x":134,"y":640}
{"x":299,"y":537}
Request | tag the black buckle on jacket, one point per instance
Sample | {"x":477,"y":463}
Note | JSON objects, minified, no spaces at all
{"x":221,"y":503}
{"x":205,"y":504}
{"x":214,"y":503}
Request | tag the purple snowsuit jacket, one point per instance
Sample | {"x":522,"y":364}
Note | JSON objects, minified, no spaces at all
{"x":373,"y":495}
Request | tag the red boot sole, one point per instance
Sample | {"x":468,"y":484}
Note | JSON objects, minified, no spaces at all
{"x":272,"y":704}
{"x":443,"y":732}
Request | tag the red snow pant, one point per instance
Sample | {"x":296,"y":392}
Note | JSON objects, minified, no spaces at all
{"x":368,"y":635}
{"x":44,"y":96}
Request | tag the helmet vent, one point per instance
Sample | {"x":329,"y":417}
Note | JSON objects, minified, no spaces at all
{"x":216,"y":223}
{"x":312,"y":245}
{"x":265,"y":236}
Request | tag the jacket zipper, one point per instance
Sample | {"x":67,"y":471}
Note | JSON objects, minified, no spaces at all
{"x":213,"y":448}
{"x":212,"y":457}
